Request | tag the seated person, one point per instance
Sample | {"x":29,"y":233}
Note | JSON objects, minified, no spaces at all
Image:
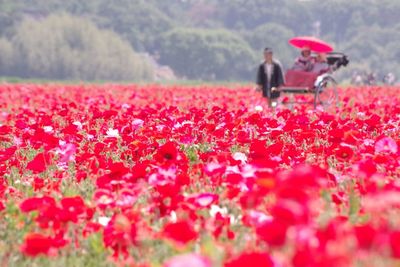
{"x":320,"y":65}
{"x":304,"y":62}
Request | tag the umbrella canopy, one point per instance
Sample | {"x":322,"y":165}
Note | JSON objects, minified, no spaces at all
{"x":313,"y":43}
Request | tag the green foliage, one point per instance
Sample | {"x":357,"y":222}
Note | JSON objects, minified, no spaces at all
{"x":244,"y":14}
{"x":66,"y":47}
{"x":377,"y":47}
{"x":6,"y":56}
{"x":206,"y":54}
{"x":137,"y":21}
{"x":275,"y":36}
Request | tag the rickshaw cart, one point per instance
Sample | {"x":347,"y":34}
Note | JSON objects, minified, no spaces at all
{"x":323,"y":87}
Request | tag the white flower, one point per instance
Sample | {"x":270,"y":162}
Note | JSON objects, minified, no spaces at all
{"x":160,"y":127}
{"x":212,"y":166}
{"x":173,"y":218}
{"x":240,"y":156}
{"x":220,"y":126}
{"x":258,"y":108}
{"x":61,"y":143}
{"x":232,"y":169}
{"x":104,"y":220}
{"x":217,"y":209}
{"x":78,"y":124}
{"x":177,"y":125}
{"x":248,"y":171}
{"x":187,"y":122}
{"x":48,"y":129}
{"x":260,"y":217}
{"x":112,"y":133}
{"x":17,"y":141}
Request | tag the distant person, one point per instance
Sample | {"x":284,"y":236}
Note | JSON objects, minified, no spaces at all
{"x":371,"y":78}
{"x":356,"y":78}
{"x":305,"y":61}
{"x":389,"y":79}
{"x":269,"y":76}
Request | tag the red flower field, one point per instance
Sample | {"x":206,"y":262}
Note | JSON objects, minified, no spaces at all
{"x":129,"y":175}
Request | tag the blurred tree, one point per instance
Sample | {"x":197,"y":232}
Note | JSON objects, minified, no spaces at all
{"x":66,"y":47}
{"x":137,"y":21}
{"x":6,"y":57}
{"x":243,"y":14}
{"x":8,"y":11}
{"x":207,"y":54}
{"x":275,"y":36}
{"x":377,"y":47}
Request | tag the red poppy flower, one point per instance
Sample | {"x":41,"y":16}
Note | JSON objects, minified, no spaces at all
{"x":254,"y":259}
{"x":167,"y":152}
{"x":373,"y":121}
{"x":304,"y":257}
{"x":36,"y":244}
{"x":120,"y":233}
{"x":115,"y":177}
{"x":395,"y":244}
{"x":344,"y":152}
{"x":258,"y":149}
{"x":302,"y":176}
{"x":290,"y":212}
{"x":273,"y":232}
{"x":5,"y":130}
{"x":7,"y":153}
{"x":72,"y":208}
{"x":36,"y":203}
{"x":38,"y":183}
{"x":182,"y":232}
{"x":368,"y":167}
{"x":365,"y":235}
{"x":39,"y":163}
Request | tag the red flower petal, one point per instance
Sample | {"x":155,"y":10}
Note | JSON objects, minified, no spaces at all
{"x":181,"y":232}
{"x":36,"y":244}
{"x":253,"y":259}
{"x":39,"y":163}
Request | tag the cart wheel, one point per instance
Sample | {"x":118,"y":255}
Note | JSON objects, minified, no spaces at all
{"x":326,"y":93}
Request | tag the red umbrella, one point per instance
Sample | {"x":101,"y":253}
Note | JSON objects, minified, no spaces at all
{"x":313,"y":43}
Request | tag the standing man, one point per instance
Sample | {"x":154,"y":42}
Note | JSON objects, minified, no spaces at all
{"x":269,"y":76}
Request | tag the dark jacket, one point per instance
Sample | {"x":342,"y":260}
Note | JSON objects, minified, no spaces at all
{"x":276,"y":80}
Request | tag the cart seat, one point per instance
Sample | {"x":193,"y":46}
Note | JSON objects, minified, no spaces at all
{"x":300,"y":79}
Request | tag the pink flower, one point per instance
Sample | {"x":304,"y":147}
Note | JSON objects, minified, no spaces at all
{"x":186,"y":260}
{"x":386,"y":145}
{"x":205,"y":200}
{"x":67,"y":153}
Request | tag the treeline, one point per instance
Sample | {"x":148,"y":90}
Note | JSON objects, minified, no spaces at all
{"x":64,"y":47}
{"x":199,"y":39}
